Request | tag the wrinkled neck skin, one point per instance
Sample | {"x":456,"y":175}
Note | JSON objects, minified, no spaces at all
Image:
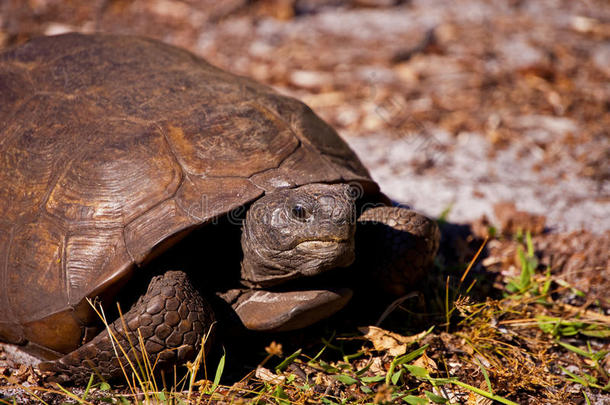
{"x":299,"y":232}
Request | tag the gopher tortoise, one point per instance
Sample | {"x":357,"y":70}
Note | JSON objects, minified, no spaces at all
{"x":117,"y":150}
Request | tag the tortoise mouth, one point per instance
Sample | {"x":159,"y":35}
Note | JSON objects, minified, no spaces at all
{"x":337,"y":253}
{"x":321,"y":243}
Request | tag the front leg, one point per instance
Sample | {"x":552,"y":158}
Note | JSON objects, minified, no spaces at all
{"x":172,"y":319}
{"x":395,"y":246}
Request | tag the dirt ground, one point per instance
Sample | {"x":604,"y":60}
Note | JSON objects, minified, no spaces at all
{"x":486,"y":113}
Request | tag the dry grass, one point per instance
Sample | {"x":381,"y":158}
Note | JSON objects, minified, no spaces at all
{"x":527,"y":346}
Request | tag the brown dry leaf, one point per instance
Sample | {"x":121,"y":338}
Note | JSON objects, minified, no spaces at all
{"x":269,"y":376}
{"x":476,"y":399}
{"x":378,"y":366}
{"x":427,"y":363}
{"x":33,"y":378}
{"x":384,"y":340}
{"x":319,"y":379}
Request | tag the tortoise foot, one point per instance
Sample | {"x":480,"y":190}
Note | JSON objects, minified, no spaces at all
{"x":396,"y":245}
{"x":172,"y":318}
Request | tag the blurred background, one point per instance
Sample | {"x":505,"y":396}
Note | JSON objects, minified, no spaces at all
{"x":475,"y":110}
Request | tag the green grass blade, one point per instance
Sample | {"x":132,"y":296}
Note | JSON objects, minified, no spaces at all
{"x":317,"y":356}
{"x":396,"y":376}
{"x":437,"y":399}
{"x":485,"y":375}
{"x":372,"y":379}
{"x":417,"y":371}
{"x":575,"y":349}
{"x":530,"y":244}
{"x":288,"y":360}
{"x":345,"y":379}
{"x":219,"y":371}
{"x":405,"y":358}
{"x":413,"y":400}
{"x":84,"y":397}
{"x":585,"y":380}
{"x":474,"y":389}
{"x":586,"y":398}
{"x":73,"y":396}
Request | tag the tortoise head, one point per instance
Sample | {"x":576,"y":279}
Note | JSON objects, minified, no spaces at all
{"x":297,"y":232}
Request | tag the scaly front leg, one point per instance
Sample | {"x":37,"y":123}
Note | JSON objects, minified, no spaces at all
{"x":172,"y":318}
{"x":395,"y":247}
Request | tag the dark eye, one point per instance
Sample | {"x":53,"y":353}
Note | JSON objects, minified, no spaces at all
{"x":300,"y":212}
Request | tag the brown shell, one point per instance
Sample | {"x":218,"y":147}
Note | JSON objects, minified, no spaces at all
{"x":110,"y":145}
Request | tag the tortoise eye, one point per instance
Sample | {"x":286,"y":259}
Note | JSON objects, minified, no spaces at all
{"x":300,"y":212}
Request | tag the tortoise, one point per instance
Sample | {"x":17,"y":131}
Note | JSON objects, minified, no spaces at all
{"x":117,"y":149}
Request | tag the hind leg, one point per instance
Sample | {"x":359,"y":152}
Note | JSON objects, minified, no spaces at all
{"x":172,"y":319}
{"x":395,"y":247}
